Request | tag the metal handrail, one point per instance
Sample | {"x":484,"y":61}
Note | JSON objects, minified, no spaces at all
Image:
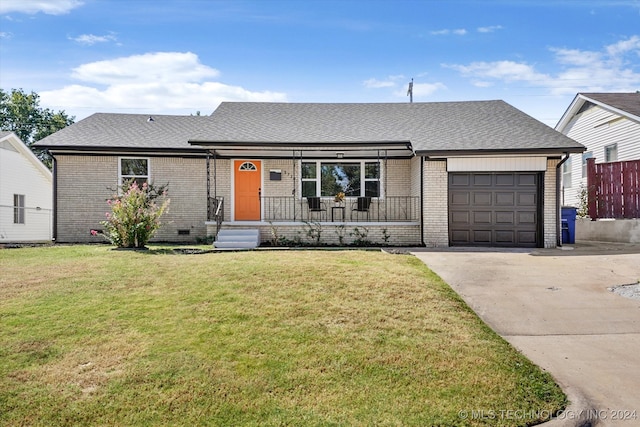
{"x":384,"y":209}
{"x":217,"y":206}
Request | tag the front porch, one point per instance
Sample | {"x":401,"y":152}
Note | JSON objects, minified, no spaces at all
{"x":288,"y":192}
{"x":289,"y":221}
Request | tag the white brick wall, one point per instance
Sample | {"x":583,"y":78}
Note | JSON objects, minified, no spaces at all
{"x":550,"y":236}
{"x":435,"y":213}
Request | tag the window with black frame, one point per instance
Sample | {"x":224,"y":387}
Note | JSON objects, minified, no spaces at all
{"x":328,"y":178}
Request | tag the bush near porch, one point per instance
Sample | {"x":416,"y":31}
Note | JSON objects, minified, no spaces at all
{"x":93,"y":336}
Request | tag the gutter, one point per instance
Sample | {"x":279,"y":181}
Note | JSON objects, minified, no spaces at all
{"x":558,"y":212}
{"x":54,"y":232}
{"x":422,"y":201}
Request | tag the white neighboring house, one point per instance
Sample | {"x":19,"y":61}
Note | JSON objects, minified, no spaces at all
{"x":608,"y":124}
{"x":26,"y":193}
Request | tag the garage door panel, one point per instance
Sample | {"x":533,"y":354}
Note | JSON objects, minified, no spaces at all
{"x":526,"y":217}
{"x":461,"y":179}
{"x":503,"y":218}
{"x":527,"y":179}
{"x":482,"y":199}
{"x":505,"y":179}
{"x":460,"y":217}
{"x":505,"y":236}
{"x":482,"y":217}
{"x":505,"y":198}
{"x":482,"y":180}
{"x":482,"y":236}
{"x":460,"y":236}
{"x":461,"y":198}
{"x":527,"y":199}
{"x":526,"y":238}
{"x":498,"y":209}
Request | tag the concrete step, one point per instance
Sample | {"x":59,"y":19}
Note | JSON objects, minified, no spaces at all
{"x":237,"y":239}
{"x":239,"y":232}
{"x":235,"y":245}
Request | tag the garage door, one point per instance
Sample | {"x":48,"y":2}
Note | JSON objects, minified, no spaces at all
{"x":495,"y":209}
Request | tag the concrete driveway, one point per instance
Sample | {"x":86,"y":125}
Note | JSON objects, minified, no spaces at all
{"x":554,"y":305}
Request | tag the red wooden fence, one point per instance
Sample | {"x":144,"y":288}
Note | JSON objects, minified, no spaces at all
{"x":614,"y":189}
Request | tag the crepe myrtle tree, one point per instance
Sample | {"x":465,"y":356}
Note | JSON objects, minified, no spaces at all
{"x":135,"y":214}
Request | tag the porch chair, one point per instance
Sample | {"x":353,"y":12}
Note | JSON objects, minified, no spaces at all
{"x":362,"y":204}
{"x":316,"y":205}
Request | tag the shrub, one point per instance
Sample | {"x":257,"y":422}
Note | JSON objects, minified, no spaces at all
{"x":135,"y":215}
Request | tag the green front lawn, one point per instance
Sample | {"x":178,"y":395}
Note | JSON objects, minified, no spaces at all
{"x":93,"y":336}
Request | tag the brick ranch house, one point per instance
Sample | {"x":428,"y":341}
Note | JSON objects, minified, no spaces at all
{"x":479,"y":173}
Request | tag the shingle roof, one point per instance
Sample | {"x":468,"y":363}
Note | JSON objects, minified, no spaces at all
{"x":126,"y":131}
{"x":629,"y":102}
{"x":430,"y":127}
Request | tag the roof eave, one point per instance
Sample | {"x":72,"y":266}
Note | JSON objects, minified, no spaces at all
{"x":23,"y":149}
{"x":571,"y":111}
{"x":497,"y":152}
{"x":70,"y":149}
{"x":307,"y":144}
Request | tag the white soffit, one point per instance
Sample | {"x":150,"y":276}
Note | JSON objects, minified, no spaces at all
{"x":496,"y":164}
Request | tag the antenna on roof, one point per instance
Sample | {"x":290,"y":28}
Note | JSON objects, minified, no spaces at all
{"x":410,"y":91}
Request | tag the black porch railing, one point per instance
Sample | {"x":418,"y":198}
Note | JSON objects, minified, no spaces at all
{"x":387,"y":209}
{"x":215,"y":211}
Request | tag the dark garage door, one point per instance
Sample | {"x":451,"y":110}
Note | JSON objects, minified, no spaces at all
{"x":495,"y":209}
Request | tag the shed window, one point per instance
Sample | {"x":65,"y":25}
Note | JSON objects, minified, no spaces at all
{"x":611,"y":153}
{"x":18,"y":209}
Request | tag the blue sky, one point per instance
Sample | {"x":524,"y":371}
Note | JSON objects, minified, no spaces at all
{"x":179,"y":57}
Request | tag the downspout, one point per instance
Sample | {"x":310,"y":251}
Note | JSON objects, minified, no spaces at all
{"x":558,"y":212}
{"x":422,"y":201}
{"x":215,"y":175}
{"x":54,"y":232}
{"x":208,"y":187}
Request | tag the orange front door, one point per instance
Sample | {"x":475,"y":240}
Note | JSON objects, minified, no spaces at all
{"x":247,"y":179}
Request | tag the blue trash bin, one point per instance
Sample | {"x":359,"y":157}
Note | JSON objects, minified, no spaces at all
{"x":569,"y":224}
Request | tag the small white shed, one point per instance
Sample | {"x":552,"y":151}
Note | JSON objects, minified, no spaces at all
{"x":26,"y":193}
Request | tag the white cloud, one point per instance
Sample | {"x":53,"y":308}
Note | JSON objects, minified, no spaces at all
{"x":445,"y":32}
{"x":377,"y":84}
{"x":489,"y":29}
{"x":612,"y":69}
{"x":91,"y":39}
{"x":161,"y":82}
{"x":49,"y":7}
{"x":624,"y":46}
{"x":5,"y":35}
{"x":390,"y":81}
{"x":421,"y":90}
{"x":157,"y":67}
{"x":400,"y":84}
{"x":502,"y":70}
